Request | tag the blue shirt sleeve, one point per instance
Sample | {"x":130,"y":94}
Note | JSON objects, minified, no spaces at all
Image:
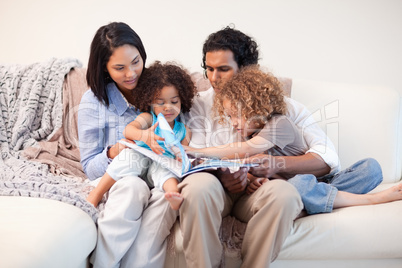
{"x":92,"y":140}
{"x":99,"y":127}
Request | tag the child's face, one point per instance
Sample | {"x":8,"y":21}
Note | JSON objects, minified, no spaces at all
{"x":243,"y":126}
{"x":168,"y":103}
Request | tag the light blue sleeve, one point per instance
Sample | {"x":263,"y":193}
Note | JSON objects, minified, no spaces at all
{"x":91,"y":134}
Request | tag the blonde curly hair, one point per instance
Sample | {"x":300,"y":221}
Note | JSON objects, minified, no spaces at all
{"x":253,"y":94}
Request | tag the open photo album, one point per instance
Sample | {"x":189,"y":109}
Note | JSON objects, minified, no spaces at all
{"x":185,"y":166}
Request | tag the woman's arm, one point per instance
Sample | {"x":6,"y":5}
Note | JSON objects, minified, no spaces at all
{"x":91,"y":133}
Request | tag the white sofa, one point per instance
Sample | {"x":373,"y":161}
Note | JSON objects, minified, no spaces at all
{"x":362,"y":121}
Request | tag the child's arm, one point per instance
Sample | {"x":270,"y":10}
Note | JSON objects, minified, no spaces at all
{"x":141,"y":129}
{"x":234,"y":150}
{"x":95,"y":196}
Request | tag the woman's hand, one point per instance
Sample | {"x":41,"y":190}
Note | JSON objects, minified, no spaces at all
{"x":117,"y":148}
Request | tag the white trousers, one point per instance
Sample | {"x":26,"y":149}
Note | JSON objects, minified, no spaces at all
{"x":133,"y":227}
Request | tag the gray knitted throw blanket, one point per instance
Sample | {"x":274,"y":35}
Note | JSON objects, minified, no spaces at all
{"x":31,"y":111}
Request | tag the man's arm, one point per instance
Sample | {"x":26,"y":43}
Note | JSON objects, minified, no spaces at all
{"x":320,"y":146}
{"x":288,"y":166}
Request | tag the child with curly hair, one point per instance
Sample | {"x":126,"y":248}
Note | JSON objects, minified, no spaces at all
{"x":163,"y":88}
{"x":254,"y":102}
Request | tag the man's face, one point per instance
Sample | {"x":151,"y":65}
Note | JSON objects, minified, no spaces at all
{"x":220,"y":66}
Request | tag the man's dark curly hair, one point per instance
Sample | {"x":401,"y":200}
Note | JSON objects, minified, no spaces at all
{"x":156,"y":77}
{"x":244,"y":48}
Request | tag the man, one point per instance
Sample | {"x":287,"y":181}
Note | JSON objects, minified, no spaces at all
{"x":271,"y":210}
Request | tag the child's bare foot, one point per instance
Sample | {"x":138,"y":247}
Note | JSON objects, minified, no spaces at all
{"x":391,"y":194}
{"x":175,"y":199}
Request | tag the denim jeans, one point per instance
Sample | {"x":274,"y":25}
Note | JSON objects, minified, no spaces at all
{"x":318,"y":195}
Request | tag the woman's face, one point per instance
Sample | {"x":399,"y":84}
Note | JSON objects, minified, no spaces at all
{"x":168,"y":103}
{"x":125,"y":67}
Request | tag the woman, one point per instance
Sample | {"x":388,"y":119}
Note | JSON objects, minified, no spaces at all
{"x":136,"y":220}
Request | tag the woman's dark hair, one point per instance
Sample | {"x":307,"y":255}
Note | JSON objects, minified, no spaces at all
{"x":156,"y":77}
{"x":244,"y":48}
{"x":106,"y":40}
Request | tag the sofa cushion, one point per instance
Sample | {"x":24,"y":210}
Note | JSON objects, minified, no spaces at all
{"x":361,"y":121}
{"x":44,"y":233}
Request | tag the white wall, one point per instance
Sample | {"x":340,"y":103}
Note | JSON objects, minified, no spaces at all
{"x":357,"y":41}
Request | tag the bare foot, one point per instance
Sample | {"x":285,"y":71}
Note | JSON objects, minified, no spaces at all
{"x":391,"y":194}
{"x":175,"y":199}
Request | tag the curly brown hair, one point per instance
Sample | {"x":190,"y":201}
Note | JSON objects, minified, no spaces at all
{"x":253,"y":93}
{"x":156,"y":77}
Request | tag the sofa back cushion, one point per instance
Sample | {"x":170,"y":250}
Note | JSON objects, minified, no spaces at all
{"x":361,"y":121}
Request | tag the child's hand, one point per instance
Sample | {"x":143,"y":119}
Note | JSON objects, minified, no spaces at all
{"x":192,"y":151}
{"x":255,"y":184}
{"x":177,"y":153}
{"x":197,"y":161}
{"x":152,"y":139}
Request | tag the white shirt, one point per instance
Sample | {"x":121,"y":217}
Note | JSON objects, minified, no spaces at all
{"x":207,"y":131}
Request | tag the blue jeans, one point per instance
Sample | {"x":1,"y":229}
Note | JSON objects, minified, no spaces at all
{"x":318,"y":195}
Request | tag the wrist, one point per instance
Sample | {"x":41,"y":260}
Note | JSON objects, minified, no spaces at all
{"x":109,"y":153}
{"x":279,"y":164}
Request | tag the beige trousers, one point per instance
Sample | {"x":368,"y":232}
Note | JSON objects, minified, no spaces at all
{"x":133,"y":227}
{"x":269,"y":212}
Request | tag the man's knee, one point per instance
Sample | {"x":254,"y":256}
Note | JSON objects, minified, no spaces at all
{"x":201,"y":188}
{"x":198,"y":183}
{"x":281,"y":194}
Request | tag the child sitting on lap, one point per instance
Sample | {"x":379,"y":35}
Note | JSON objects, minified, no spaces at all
{"x":163,"y":88}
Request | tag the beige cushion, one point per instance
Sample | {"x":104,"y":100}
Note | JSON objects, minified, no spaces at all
{"x":202,"y":83}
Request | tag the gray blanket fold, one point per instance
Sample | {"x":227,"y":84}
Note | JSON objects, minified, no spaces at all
{"x":31,"y":101}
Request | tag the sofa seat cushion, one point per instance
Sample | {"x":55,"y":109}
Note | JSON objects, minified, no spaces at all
{"x":40,"y":233}
{"x":358,"y":236}
{"x":361,"y":232}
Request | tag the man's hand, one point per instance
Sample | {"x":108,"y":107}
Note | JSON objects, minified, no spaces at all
{"x":233,"y":182}
{"x":266,"y":167}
